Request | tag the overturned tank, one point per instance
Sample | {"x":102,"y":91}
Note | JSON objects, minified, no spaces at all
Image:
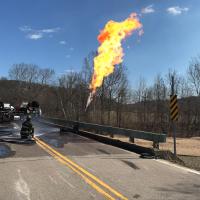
{"x":29,"y":108}
{"x":34,"y":109}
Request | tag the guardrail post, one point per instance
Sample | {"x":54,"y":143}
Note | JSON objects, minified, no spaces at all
{"x":61,"y":130}
{"x":64,"y":130}
{"x":76,"y":127}
{"x":132,"y":139}
{"x":155,"y":145}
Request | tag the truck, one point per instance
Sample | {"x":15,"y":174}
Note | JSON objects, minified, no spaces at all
{"x":34,"y":108}
{"x":6,"y":112}
{"x":29,"y":108}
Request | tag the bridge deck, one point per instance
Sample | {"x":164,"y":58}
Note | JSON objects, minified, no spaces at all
{"x":30,"y":172}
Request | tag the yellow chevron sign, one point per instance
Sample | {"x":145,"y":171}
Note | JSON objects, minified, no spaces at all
{"x":173,"y":107}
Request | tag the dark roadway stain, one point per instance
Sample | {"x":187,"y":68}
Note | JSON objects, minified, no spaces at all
{"x":130,"y":164}
{"x":136,"y":196}
{"x":189,"y":189}
{"x":103,"y":151}
{"x":5,"y":151}
{"x":196,"y":185}
{"x":58,"y":140}
{"x":58,"y":143}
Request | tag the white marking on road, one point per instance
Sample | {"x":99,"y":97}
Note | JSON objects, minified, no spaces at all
{"x":65,"y":175}
{"x":53,"y":180}
{"x":16,"y":126}
{"x":86,"y":167}
{"x":93,"y":195}
{"x":92,"y":170}
{"x":178,"y":166}
{"x":22,"y":187}
{"x":111,"y":156}
{"x":38,"y":134}
{"x":64,"y":180}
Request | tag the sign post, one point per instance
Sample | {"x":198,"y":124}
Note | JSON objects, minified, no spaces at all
{"x":173,"y":112}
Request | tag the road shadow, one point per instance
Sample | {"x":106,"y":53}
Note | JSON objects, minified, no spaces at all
{"x":130,"y":164}
{"x":103,"y":151}
{"x":5,"y":151}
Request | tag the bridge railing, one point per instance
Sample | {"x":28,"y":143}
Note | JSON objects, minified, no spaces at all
{"x":156,"y":138}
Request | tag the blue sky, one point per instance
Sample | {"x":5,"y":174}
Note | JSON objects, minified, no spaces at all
{"x":60,"y":33}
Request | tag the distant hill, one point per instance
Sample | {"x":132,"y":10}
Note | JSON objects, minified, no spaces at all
{"x":70,"y":103}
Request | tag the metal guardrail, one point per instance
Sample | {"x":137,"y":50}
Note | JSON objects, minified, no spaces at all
{"x":156,"y":138}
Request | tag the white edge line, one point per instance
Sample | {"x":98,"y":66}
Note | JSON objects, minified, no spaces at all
{"x":177,"y":166}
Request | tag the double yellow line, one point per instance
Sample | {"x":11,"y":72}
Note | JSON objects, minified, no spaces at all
{"x":89,"y":178}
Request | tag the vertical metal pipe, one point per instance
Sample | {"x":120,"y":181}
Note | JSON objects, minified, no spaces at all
{"x":174,"y":137}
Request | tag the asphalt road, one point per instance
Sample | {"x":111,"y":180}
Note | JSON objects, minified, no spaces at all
{"x":68,"y":166}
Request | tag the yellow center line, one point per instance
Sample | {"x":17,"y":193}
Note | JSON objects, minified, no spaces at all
{"x":96,"y":187}
{"x":79,"y":169}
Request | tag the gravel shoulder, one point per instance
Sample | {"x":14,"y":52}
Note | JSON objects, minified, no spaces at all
{"x":191,"y":161}
{"x":188,"y":149}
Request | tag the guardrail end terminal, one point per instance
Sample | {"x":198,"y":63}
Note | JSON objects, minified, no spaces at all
{"x":132,"y":139}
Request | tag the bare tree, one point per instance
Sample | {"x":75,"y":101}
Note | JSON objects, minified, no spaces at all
{"x":185,"y":88}
{"x":88,"y":66}
{"x":173,"y":73}
{"x":140,"y":92}
{"x":87,"y":71}
{"x":72,"y":91}
{"x":46,"y":75}
{"x":160,"y":95}
{"x":24,"y":72}
{"x":121,"y":99}
{"x":32,"y":73}
{"x":194,"y":74}
{"x":112,"y":86}
{"x":17,"y":72}
{"x":140,"y":98}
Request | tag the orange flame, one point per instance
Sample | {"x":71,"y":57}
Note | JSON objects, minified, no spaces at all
{"x":110,"y":52}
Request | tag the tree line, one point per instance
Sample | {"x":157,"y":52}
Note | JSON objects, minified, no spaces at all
{"x":144,"y":107}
